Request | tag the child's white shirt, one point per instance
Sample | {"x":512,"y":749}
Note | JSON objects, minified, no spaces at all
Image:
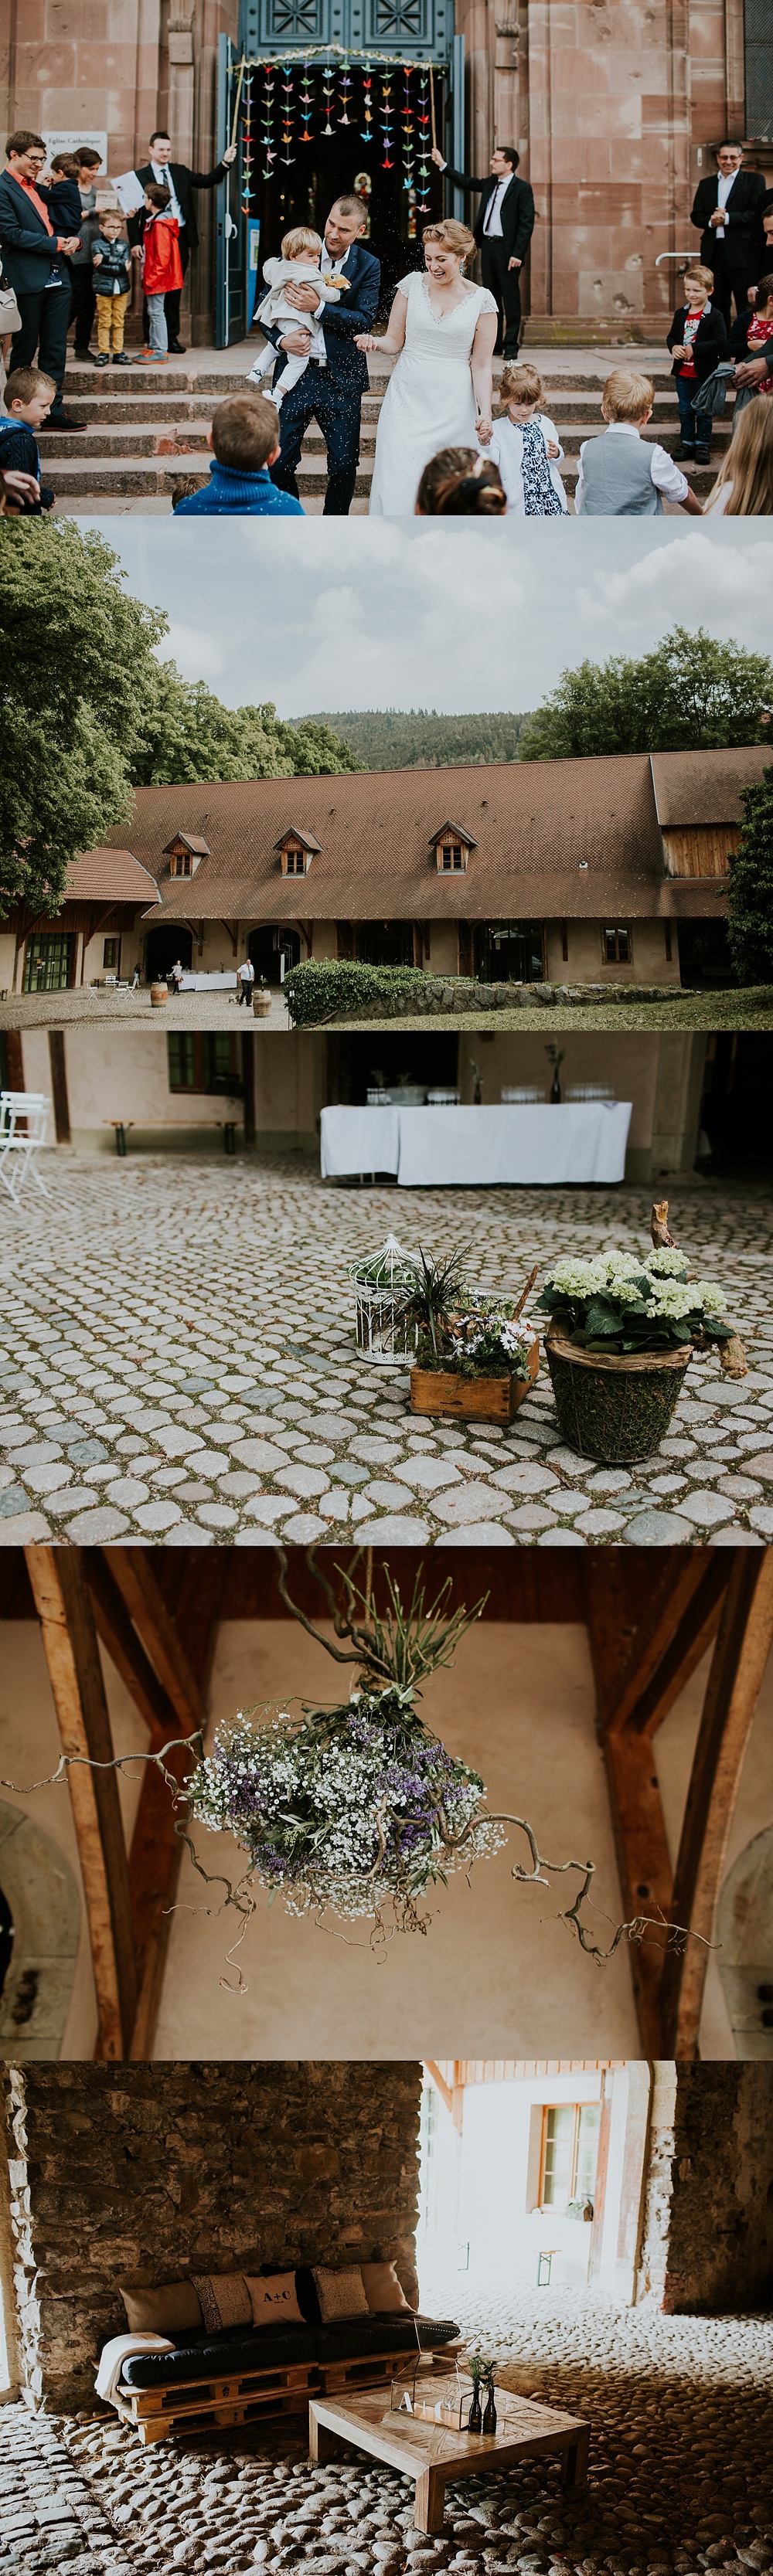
{"x":666,"y":475}
{"x":274,"y":307}
{"x":506,"y":451}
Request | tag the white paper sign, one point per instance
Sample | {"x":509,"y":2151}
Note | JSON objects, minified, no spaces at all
{"x":72,"y":142}
{"x":129,"y":191}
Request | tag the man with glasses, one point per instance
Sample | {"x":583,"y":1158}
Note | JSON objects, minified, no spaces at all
{"x":34,"y":259}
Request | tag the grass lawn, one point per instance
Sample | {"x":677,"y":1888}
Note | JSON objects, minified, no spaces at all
{"x":752,"y":1009}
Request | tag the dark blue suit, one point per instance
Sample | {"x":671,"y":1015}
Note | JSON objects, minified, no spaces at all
{"x":29,"y":260}
{"x":332,"y":395}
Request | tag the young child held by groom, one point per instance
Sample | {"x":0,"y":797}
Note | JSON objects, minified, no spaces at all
{"x":298,"y":266}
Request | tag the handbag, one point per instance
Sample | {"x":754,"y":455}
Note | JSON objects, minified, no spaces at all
{"x":10,"y":317}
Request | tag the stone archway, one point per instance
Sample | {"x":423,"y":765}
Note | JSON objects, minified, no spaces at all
{"x":745,"y":1935}
{"x":44,"y":1904}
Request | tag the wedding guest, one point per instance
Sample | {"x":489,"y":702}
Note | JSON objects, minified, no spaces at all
{"x":460,"y":484}
{"x":162,"y":172}
{"x":245,"y":978}
{"x":526,"y":448}
{"x":726,"y":211}
{"x":112,"y":281}
{"x":744,"y":484}
{"x":34,"y":265}
{"x":188,"y":483}
{"x":503,"y":231}
{"x":28,"y":398}
{"x":82,"y":307}
{"x":62,"y":193}
{"x":244,"y":438}
{"x":749,"y":340}
{"x":161,"y":267}
{"x":620,"y":477}
{"x":698,"y":343}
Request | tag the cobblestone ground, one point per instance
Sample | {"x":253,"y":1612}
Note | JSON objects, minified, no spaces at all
{"x":182,"y":1367}
{"x":202,"y":1010}
{"x":680,"y":2471}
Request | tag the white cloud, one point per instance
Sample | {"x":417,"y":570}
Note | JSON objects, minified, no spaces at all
{"x":383,"y":613}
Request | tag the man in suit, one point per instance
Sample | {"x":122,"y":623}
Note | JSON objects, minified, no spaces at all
{"x":332,"y":394}
{"x":163,"y":172}
{"x":503,"y":232}
{"x":34,"y":265}
{"x":726,"y":212}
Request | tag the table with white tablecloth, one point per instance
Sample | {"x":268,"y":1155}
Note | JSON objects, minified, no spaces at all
{"x":542,"y":1144}
{"x":208,"y":983}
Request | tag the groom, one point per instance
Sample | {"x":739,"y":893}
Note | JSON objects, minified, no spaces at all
{"x":332,"y":394}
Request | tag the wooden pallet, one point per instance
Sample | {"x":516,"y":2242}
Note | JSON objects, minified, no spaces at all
{"x":367,"y":2372}
{"x":194,"y":2406}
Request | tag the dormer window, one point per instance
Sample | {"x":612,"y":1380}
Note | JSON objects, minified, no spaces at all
{"x":452,"y":848}
{"x":184,"y":853}
{"x":296,"y":850}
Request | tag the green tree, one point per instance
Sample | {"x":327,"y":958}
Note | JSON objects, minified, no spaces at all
{"x":88,"y":712}
{"x":184,"y":732}
{"x":690,"y":694}
{"x":396,"y":738}
{"x":750,"y":907}
{"x":76,"y":653}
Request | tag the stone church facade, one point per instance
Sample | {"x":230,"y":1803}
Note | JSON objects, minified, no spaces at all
{"x":614,"y":105}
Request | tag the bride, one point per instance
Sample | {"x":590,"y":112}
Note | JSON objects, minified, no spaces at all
{"x":442,"y":330}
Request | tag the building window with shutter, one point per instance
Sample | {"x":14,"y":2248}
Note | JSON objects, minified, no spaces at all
{"x":180,"y":864}
{"x":111,"y":955}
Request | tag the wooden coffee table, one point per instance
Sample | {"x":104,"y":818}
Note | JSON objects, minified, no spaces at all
{"x":431,"y":2453}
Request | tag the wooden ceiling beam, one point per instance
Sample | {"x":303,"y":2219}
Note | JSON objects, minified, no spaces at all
{"x":638,"y":1825}
{"x":157,"y":1848}
{"x":133,"y":1573}
{"x":627,"y":1678}
{"x":63,"y":1604}
{"x":691,"y":1641}
{"x":125,"y":1648}
{"x":738,"y":1664}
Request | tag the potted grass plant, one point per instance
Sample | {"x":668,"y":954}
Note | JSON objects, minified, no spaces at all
{"x":622,"y":1332}
{"x":472,"y":1359}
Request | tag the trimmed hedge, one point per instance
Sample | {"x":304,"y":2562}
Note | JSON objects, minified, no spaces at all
{"x":331,"y":989}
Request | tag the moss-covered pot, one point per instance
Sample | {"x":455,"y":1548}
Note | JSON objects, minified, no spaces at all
{"x":617,"y":1407}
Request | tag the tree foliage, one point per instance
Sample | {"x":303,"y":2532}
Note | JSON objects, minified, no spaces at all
{"x":183,"y":732}
{"x":750,"y":908}
{"x":389,"y":738}
{"x":691,"y":694}
{"x":87,"y":711}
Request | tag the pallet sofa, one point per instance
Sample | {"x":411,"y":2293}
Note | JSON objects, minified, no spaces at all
{"x":238,"y":2373}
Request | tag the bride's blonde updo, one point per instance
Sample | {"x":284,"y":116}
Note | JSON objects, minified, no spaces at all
{"x":452,"y":236}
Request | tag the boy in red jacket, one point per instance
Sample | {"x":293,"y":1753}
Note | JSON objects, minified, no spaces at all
{"x":161,"y":267}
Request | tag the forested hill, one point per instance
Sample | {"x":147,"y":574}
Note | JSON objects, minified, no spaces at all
{"x":387,"y":739}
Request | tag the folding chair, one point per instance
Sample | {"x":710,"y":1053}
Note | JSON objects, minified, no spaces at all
{"x":23,"y":1123}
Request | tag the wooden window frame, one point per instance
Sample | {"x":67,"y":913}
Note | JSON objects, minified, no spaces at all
{"x":615,"y":930}
{"x":112,"y":962}
{"x":577,"y":2108}
{"x":201,"y":1086}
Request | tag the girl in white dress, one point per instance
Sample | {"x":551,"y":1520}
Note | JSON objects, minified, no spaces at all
{"x":442,"y":330}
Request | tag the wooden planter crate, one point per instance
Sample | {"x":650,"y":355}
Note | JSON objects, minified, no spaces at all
{"x":614,"y":1406}
{"x":472,"y":1399}
{"x":204,"y":2405}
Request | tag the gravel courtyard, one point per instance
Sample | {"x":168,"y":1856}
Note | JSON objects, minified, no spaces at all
{"x":681,"y":2471}
{"x":181,"y":1367}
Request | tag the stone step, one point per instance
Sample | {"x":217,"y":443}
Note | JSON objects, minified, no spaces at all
{"x":132,"y":476}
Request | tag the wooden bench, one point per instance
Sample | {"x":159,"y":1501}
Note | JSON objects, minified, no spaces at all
{"x":122,"y":1127}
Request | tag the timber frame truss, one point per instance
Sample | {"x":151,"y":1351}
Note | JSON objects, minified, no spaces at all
{"x":702,"y":1600}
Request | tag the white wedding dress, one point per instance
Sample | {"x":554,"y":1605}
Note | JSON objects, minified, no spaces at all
{"x":429,"y":402}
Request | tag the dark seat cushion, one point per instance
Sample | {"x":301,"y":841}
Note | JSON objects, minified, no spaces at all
{"x":221,"y":2356}
{"x":351,"y":2340}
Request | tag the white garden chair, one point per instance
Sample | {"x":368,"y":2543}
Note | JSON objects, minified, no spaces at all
{"x":23,"y":1124}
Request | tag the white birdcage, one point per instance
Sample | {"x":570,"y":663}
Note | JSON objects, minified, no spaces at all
{"x":380,"y":1285}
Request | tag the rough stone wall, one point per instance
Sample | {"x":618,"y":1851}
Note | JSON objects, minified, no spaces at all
{"x":707,"y":2242}
{"x":147,"y":2173}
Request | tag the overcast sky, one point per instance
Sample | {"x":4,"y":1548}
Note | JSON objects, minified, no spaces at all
{"x":347,"y":615}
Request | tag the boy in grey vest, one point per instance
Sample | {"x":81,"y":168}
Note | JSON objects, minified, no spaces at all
{"x":620,"y":477}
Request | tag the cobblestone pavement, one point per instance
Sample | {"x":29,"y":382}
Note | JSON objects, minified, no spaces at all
{"x":182,"y":1368}
{"x":680,"y":2471}
{"x":203,"y":1010}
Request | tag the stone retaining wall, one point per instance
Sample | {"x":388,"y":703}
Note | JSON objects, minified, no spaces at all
{"x":147,"y":2173}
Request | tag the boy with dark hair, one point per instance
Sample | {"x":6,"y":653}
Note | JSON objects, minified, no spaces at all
{"x":161,"y":267}
{"x":245,"y":444}
{"x":28,"y":397}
